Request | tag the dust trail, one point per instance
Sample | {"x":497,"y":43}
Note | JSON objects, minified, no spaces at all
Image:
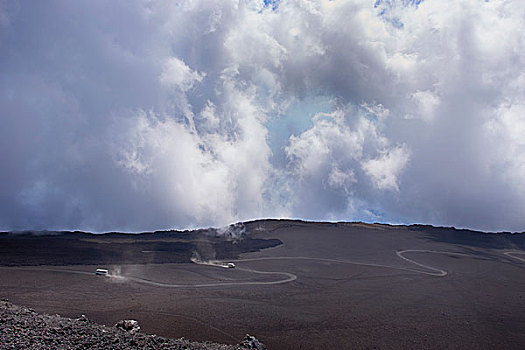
{"x":217,"y":263}
{"x":116,"y":275}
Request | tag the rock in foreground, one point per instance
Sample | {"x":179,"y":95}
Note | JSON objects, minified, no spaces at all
{"x":23,"y":328}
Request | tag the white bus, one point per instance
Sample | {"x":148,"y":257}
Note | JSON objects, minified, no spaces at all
{"x":102,"y":272}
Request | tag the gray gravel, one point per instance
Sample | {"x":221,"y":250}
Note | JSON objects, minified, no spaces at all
{"x":23,"y":328}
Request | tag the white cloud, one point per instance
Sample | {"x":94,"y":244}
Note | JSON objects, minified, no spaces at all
{"x":341,"y":180}
{"x":425,"y":103}
{"x":505,"y":138}
{"x":176,"y":74}
{"x":385,"y":169}
{"x":191,"y":113}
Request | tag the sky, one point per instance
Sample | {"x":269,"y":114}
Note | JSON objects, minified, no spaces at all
{"x":144,"y":115}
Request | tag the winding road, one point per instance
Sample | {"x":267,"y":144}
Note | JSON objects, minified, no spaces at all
{"x":436,"y":271}
{"x":289,"y":277}
{"x":512,"y":255}
{"x":286,"y":277}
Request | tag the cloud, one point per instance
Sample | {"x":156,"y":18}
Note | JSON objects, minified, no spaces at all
{"x":151,"y":115}
{"x":177,"y":75}
{"x":385,"y":170}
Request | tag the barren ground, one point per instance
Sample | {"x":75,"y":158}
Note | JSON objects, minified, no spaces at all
{"x":326,"y":286}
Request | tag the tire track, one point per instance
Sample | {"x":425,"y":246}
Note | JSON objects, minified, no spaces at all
{"x":511,"y":254}
{"x":437,"y":272}
{"x":287,"y":276}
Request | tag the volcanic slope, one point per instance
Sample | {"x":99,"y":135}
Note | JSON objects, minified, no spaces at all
{"x":23,"y":328}
{"x":296,"y":285}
